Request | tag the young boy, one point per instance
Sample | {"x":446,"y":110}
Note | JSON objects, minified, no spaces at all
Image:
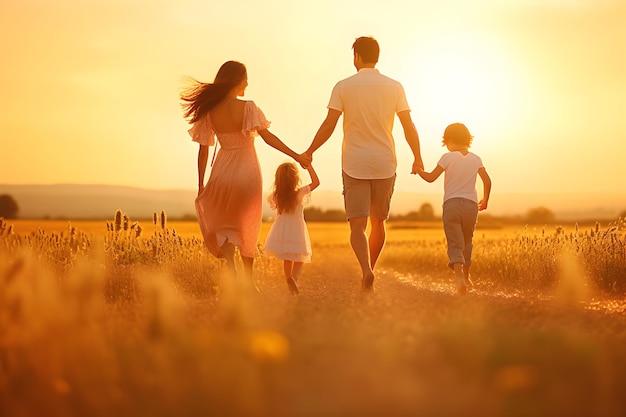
{"x":460,"y":200}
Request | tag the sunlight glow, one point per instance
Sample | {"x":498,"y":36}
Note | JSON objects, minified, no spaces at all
{"x":467,"y":79}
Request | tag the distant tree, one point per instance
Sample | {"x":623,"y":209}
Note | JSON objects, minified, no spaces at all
{"x":8,"y":207}
{"x":426,"y":212}
{"x":315,"y":214}
{"x":540,"y":215}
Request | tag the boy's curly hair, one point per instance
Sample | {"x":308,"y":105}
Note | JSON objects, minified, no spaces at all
{"x":458,"y":134}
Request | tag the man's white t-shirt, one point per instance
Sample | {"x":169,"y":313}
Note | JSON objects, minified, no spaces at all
{"x":460,"y":175}
{"x":369,"y":102}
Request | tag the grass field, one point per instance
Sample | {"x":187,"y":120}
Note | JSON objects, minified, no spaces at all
{"x":98,"y":321}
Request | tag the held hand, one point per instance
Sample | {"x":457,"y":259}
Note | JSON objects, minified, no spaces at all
{"x":418,"y":167}
{"x":482,"y":205}
{"x":305,"y":160}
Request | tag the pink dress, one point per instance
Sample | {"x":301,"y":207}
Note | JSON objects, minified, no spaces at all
{"x":288,"y":238}
{"x":229,"y":207}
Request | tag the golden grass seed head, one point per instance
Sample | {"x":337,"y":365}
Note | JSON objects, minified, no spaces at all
{"x":163,"y":219}
{"x":118,"y":220}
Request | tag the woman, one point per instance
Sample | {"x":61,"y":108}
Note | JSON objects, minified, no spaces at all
{"x":229,"y":206}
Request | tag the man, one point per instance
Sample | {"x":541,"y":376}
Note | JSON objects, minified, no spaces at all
{"x":369,"y":102}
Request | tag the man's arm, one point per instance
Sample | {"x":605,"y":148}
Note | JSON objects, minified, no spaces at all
{"x":323,"y":133}
{"x":412,"y":138}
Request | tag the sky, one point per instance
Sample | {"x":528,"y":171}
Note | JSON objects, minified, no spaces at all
{"x":89,"y":90}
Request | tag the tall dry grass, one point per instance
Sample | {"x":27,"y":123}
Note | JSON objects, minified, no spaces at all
{"x":528,"y":260}
{"x":144,"y":322}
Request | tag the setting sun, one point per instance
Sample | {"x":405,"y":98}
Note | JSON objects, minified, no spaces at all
{"x":540,"y":80}
{"x":467,"y":78}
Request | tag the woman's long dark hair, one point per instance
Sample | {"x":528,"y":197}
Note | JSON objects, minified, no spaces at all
{"x":201,"y":97}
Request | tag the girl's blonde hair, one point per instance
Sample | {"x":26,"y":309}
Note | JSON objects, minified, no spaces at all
{"x":285,"y":194}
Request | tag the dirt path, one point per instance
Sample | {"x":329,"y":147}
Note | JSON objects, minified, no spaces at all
{"x":414,"y":347}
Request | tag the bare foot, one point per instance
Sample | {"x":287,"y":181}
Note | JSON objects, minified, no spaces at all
{"x":468,"y":282}
{"x":293,"y":287}
{"x":367,"y":284}
{"x":461,"y":287}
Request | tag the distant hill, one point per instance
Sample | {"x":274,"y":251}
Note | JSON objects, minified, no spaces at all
{"x":84,"y":201}
{"x":77,"y":201}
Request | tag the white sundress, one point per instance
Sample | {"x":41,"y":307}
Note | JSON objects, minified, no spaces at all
{"x":288,"y":238}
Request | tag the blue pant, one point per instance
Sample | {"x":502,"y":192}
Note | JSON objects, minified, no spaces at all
{"x":459,"y":222}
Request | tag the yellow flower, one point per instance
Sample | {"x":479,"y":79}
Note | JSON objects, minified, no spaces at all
{"x":269,"y":346}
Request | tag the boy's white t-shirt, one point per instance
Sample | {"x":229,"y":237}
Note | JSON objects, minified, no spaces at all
{"x":460,"y":173}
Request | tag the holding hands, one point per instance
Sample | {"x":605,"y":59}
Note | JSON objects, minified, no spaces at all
{"x":305,"y":159}
{"x":418,"y":166}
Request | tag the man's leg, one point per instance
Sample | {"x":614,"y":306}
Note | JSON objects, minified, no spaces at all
{"x":360,"y":246}
{"x":380,"y":203}
{"x":376,"y":239}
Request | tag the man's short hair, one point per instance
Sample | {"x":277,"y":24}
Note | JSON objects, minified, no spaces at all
{"x":367,"y":48}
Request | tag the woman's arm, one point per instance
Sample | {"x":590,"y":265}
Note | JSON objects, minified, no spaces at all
{"x":315,"y":181}
{"x":277,"y":144}
{"x":482,"y":204}
{"x":203,"y":157}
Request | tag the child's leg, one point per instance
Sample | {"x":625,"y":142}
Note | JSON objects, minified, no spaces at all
{"x":461,"y":286}
{"x":297,"y":268}
{"x":468,"y":280}
{"x":288,"y":267}
{"x":467,"y":255}
{"x":470,"y":216}
{"x":453,"y":228}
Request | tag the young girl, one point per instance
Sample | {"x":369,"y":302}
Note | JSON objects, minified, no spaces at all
{"x":460,"y":200}
{"x":288,"y":237}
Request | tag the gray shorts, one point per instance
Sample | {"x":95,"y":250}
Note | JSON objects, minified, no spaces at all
{"x":365,"y":198}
